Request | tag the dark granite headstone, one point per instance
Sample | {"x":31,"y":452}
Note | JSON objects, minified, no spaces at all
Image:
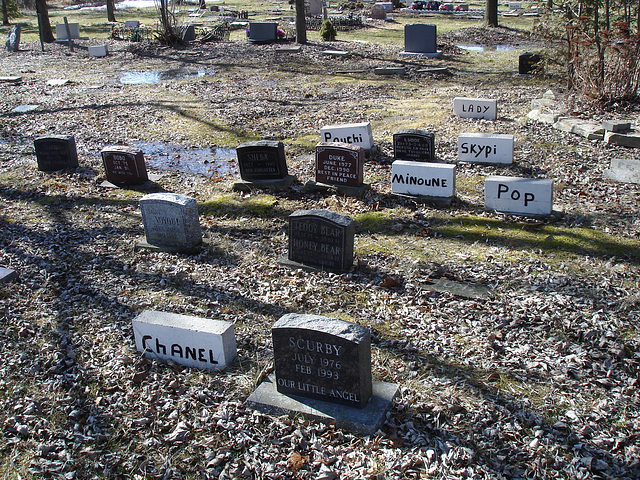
{"x":339,"y":164}
{"x":262,"y":160}
{"x":420,"y":38}
{"x":323,"y":358}
{"x":124,"y":165}
{"x":321,"y":238}
{"x":56,"y":152}
{"x":413,"y":144}
{"x":263,"y":32}
{"x":529,"y":63}
{"x":13,"y":42}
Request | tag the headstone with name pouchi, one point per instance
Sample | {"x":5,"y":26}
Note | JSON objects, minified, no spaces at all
{"x":56,"y":152}
{"x":321,"y":239}
{"x":171,"y":222}
{"x":465,"y":107}
{"x":430,"y":180}
{"x":323,"y":370}
{"x":186,"y":340}
{"x":420,"y":39}
{"x":524,"y":196}
{"x":494,"y":148}
{"x":339,"y":164}
{"x":13,"y":42}
{"x":124,"y":165}
{"x":413,"y":144}
{"x":354,"y":133}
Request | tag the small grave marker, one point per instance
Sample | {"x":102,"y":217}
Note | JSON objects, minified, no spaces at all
{"x":529,"y":63}
{"x":170,"y":222}
{"x":190,"y":341}
{"x":624,"y":170}
{"x":475,"y":108}
{"x":98,"y":51}
{"x":262,"y":163}
{"x":61,"y":31}
{"x":13,"y":42}
{"x":378,"y":12}
{"x":616,"y":125}
{"x":132,"y":24}
{"x":262,"y":32}
{"x":355,"y":133}
{"x":435,"y":180}
{"x":339,"y":164}
{"x":321,"y":239}
{"x":7,"y":275}
{"x":485,"y":148}
{"x":124,"y":165}
{"x":420,"y":39}
{"x":525,"y":196}
{"x":413,"y":144}
{"x":56,"y":152}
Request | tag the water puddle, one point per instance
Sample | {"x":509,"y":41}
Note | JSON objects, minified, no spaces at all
{"x":487,"y":48}
{"x":155,"y":76}
{"x":210,"y":162}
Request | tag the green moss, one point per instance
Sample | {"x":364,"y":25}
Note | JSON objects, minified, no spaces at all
{"x":236,"y":206}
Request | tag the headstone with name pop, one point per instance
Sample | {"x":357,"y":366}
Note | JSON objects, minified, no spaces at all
{"x":354,"y":133}
{"x":56,"y":152}
{"x":475,"y":108}
{"x":124,"y":165}
{"x":430,"y":180}
{"x":190,"y":341}
{"x":414,"y":144}
{"x":524,"y":196}
{"x":321,"y":239}
{"x":171,"y":222}
{"x":485,"y":148}
{"x":339,"y":164}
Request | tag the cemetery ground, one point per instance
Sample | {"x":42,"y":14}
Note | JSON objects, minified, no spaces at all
{"x":525,"y":365}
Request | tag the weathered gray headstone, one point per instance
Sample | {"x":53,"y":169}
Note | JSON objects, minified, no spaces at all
{"x":414,"y":144}
{"x":624,"y":170}
{"x":98,"y":51}
{"x":186,"y":340}
{"x":262,"y":32}
{"x":61,"y":31}
{"x":315,"y":7}
{"x":7,"y":275}
{"x":616,"y":125}
{"x":171,"y":221}
{"x":13,"y":42}
{"x":124,"y":165}
{"x":321,"y":238}
{"x":56,"y":152}
{"x":378,"y":12}
{"x":339,"y":164}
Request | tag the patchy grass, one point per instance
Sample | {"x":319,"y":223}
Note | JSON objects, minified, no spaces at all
{"x":234,"y":206}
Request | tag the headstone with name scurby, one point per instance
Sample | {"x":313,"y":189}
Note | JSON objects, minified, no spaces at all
{"x":56,"y":152}
{"x":321,"y":239}
{"x":190,"y":341}
{"x":413,"y":144}
{"x":124,"y":165}
{"x":171,"y":222}
{"x":323,"y":370}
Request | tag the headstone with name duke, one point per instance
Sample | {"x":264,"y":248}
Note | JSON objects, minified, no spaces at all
{"x":524,"y":196}
{"x":485,"y":148}
{"x":321,"y":239}
{"x":56,"y":152}
{"x":353,"y":133}
{"x":414,"y":144}
{"x":323,"y":370}
{"x":475,"y":108}
{"x":124,"y":165}
{"x":339,"y":164}
{"x":190,"y":341}
{"x":171,"y":222}
{"x":429,"y":180}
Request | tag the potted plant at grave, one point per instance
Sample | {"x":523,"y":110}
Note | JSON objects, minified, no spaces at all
{"x":328,"y":31}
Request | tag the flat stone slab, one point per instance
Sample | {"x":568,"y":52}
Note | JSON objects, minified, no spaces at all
{"x":25,"y":108}
{"x":437,"y":54}
{"x":631,"y":139}
{"x":289,"y":49}
{"x":10,"y":79}
{"x":365,"y":421}
{"x":389,"y":71}
{"x":472,"y":291}
{"x":312,"y":186}
{"x":336,"y":53}
{"x":435,"y":70}
{"x":276,"y":184}
{"x":7,"y":275}
{"x":616,"y":125}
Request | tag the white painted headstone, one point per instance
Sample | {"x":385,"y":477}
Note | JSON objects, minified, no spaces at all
{"x":424,"y":179}
{"x":171,"y":220}
{"x":624,"y":170}
{"x":525,"y":196}
{"x":355,"y":133}
{"x":485,"y":148}
{"x":61,"y":31}
{"x":475,"y":108}
{"x":186,"y":340}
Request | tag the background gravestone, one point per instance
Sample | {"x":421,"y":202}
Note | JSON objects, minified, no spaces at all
{"x":413,"y":144}
{"x":339,"y":164}
{"x":61,"y":31}
{"x":323,"y":358}
{"x":262,"y":32}
{"x":262,"y":160}
{"x":420,"y":39}
{"x":13,"y":42}
{"x":529,"y":63}
{"x":124,"y":165}
{"x":56,"y":152}
{"x":321,"y":238}
{"x":170,"y":222}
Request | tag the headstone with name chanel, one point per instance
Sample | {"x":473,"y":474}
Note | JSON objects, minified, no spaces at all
{"x":430,"y":180}
{"x":475,"y":108}
{"x":524,"y":196}
{"x":624,"y":170}
{"x":323,"y":370}
{"x":485,"y":148}
{"x":321,"y":239}
{"x":56,"y":152}
{"x":354,"y":133}
{"x":420,"y":39}
{"x":262,"y":32}
{"x":190,"y":341}
{"x":413,"y":144}
{"x":13,"y":42}
{"x":171,"y":222}
{"x":339,"y":164}
{"x":124,"y":165}
{"x":262,"y":163}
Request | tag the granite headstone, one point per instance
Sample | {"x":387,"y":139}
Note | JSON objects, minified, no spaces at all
{"x":413,"y":144}
{"x":13,"y":42}
{"x":339,"y":164}
{"x":124,"y":165}
{"x":262,"y":160}
{"x":171,"y":221}
{"x":56,"y":152}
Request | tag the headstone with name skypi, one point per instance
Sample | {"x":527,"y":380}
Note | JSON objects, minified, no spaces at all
{"x":124,"y":165}
{"x":171,"y":222}
{"x":56,"y":152}
{"x":495,"y":148}
{"x":414,"y":144}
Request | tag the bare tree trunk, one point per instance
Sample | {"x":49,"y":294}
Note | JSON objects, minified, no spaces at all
{"x":301,"y":23}
{"x":5,"y":13}
{"x":607,"y":20}
{"x":111,"y":11}
{"x":46,"y":35}
{"x":491,"y":13}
